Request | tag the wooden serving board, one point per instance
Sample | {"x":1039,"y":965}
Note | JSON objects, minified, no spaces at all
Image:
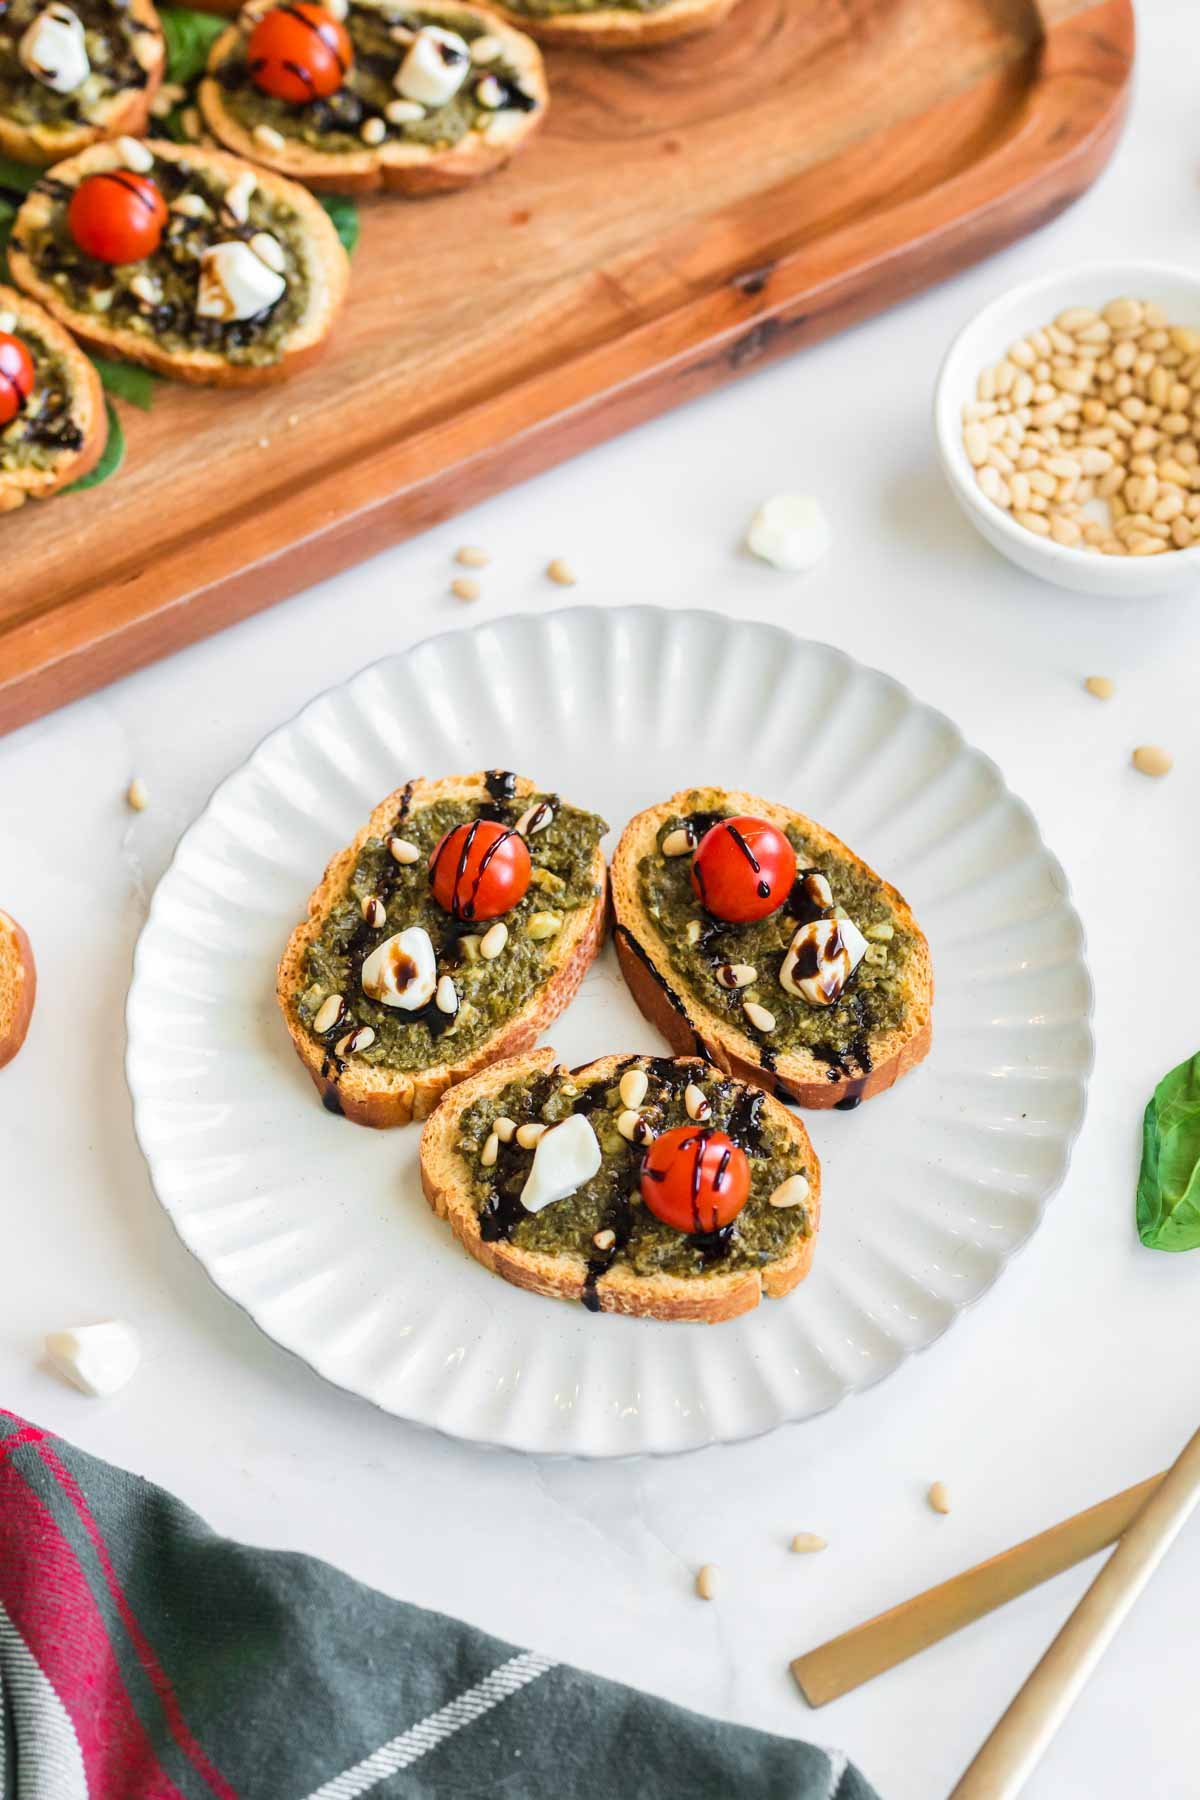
{"x":685,"y":214}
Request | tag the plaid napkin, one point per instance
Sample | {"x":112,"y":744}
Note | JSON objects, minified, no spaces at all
{"x":142,"y":1657}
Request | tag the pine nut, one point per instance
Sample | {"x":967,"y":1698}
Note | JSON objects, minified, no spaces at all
{"x":694,"y":931}
{"x":331,"y":1013}
{"x":939,"y":1497}
{"x":493,"y":941}
{"x":361,"y":1039}
{"x":471,"y":557}
{"x":372,"y":132}
{"x":268,"y":137}
{"x":706,"y":1582}
{"x":1033,"y":521}
{"x":137,"y":795}
{"x":736,"y":975}
{"x":374,"y":911}
{"x":490,"y":1151}
{"x":403,"y":851}
{"x":604,"y":1240}
{"x":792,"y":1192}
{"x":465,"y":587}
{"x":561,"y":572}
{"x":530,"y":1135}
{"x":975,"y":439}
{"x":1101,"y":686}
{"x":632,"y":1087}
{"x":759,"y":1017}
{"x":403,"y":112}
{"x":633,"y":1127}
{"x":806,"y":1542}
{"x":446,"y":996}
{"x":536,"y":818}
{"x":505,"y":1128}
{"x":1152,"y":759}
{"x":696,"y":1102}
{"x":679,"y":842}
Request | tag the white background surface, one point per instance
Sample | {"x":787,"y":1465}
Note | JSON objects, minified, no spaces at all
{"x":1075,"y":1377}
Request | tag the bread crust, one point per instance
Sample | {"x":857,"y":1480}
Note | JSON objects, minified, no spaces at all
{"x":328,"y":275}
{"x":687,"y":1024}
{"x":698,"y":1299}
{"x":380,"y":1097}
{"x":87,"y":409}
{"x":127,"y":113}
{"x":619,"y":28}
{"x":18,"y":986}
{"x":399,"y":168}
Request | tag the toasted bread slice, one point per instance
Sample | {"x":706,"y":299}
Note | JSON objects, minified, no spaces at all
{"x":79,"y":422}
{"x":399,"y":164}
{"x":606,"y":1280}
{"x":621,"y":27}
{"x":121,"y":110}
{"x":368,"y":1091}
{"x":718,"y":1025}
{"x":18,"y":986}
{"x":316,"y":256}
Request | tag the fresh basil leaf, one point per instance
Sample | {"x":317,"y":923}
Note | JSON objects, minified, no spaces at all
{"x":344,"y":213}
{"x":189,"y":38}
{"x":110,"y":462}
{"x":127,"y":381}
{"x":1168,"y":1194}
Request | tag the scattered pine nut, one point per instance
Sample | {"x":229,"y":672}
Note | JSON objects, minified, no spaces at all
{"x":805,"y":1542}
{"x":137,"y":794}
{"x":1152,"y":759}
{"x":472,"y":557}
{"x":465,"y":587}
{"x":604,"y":1240}
{"x":706,"y":1582}
{"x":1100,"y":686}
{"x":939,"y":1497}
{"x":561,"y":572}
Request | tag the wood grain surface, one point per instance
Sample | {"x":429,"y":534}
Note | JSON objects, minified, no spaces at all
{"x":684,"y":215}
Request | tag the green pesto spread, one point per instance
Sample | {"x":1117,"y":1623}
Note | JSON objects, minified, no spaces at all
{"x":334,"y":125}
{"x":44,"y":430}
{"x":875,"y":997}
{"x":111,"y":37}
{"x":173,"y":269}
{"x":490,"y":991}
{"x":760,"y":1234}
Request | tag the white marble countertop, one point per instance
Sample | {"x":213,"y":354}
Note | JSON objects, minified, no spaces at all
{"x":1073,"y":1378}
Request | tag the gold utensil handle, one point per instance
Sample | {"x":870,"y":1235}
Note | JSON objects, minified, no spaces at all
{"x":856,"y":1656}
{"x":1006,"y":1760}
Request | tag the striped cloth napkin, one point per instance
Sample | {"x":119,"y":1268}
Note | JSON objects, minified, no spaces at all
{"x":142,"y":1657}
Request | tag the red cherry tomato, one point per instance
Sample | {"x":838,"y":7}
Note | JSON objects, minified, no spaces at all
{"x":299,"y":53}
{"x":117,"y":216}
{"x":743,"y":869}
{"x":480,"y":870}
{"x":16,"y":377}
{"x":695,"y":1179}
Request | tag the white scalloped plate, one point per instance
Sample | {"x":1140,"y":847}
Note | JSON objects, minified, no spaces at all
{"x":319,"y":1229}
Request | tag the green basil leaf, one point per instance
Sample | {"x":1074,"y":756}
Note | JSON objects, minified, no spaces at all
{"x":189,"y":38}
{"x":344,"y":213}
{"x":1168,"y":1193}
{"x":110,"y":462}
{"x":127,"y":381}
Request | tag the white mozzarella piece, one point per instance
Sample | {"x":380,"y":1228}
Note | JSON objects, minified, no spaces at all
{"x":566,"y":1156}
{"x":98,"y":1359}
{"x":437,"y":64}
{"x":791,"y":532}
{"x":235,"y":283}
{"x":53,"y":51}
{"x":821,"y":958}
{"x":402,"y":971}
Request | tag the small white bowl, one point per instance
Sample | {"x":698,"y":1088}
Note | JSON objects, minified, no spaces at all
{"x":984,"y":341}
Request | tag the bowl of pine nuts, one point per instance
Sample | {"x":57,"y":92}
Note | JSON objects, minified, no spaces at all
{"x":1067,"y":416}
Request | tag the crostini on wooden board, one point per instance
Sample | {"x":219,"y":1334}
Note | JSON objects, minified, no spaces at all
{"x":71,"y":75}
{"x":52,"y":418}
{"x":415,"y":100}
{"x":184,"y":259}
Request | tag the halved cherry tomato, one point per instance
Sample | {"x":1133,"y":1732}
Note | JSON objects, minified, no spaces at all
{"x":695,"y":1178}
{"x":16,"y":376}
{"x":298,"y":53}
{"x":743,"y":869}
{"x":117,"y":216}
{"x":480,"y":870}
